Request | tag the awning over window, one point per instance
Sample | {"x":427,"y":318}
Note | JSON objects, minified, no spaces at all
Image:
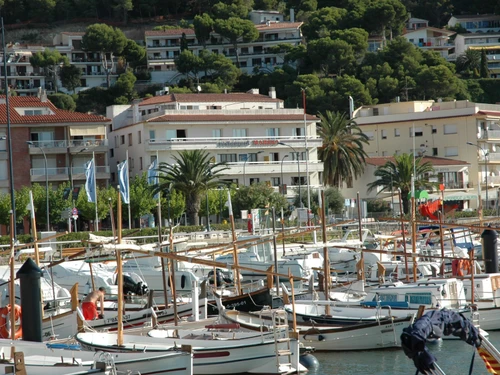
{"x":87,"y":130}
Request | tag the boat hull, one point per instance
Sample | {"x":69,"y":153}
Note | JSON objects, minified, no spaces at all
{"x":253,"y":301}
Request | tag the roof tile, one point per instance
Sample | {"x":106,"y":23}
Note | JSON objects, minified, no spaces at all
{"x":234,"y":118}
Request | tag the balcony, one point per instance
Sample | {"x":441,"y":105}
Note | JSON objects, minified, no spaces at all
{"x":259,"y":168}
{"x":62,"y":174}
{"x":75,"y":146}
{"x":491,"y":134}
{"x":246,"y":144}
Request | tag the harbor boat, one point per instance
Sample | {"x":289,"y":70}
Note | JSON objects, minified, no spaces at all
{"x":251,"y":301}
{"x":380,"y":334}
{"x":39,"y":359}
{"x":233,"y":353}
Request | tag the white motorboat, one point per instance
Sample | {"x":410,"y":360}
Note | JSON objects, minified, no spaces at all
{"x":40,"y":359}
{"x":380,"y":334}
{"x":230,"y":353}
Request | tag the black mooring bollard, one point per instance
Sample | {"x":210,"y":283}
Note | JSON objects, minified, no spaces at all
{"x":29,"y":276}
{"x":490,"y":254}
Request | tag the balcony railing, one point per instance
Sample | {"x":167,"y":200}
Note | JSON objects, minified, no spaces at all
{"x":492,"y":134}
{"x":66,"y":144}
{"x":65,"y":171}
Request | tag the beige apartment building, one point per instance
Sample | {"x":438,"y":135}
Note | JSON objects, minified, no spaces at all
{"x":439,"y":130}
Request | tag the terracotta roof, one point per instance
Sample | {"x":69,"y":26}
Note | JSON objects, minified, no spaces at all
{"x":381,"y":160}
{"x":169,"y":32}
{"x":59,"y":116}
{"x":209,"y":98}
{"x":494,"y":113}
{"x":233,"y":118}
{"x":278,"y":25}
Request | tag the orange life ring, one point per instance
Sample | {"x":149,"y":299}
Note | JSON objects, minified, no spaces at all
{"x":464,"y":267}
{"x":5,"y":322}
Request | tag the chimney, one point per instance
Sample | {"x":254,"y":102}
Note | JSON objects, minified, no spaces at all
{"x":43,"y":96}
{"x":136,"y":114}
{"x":272,"y":92}
{"x":253,"y":91}
{"x":292,"y":15}
{"x":39,"y":92}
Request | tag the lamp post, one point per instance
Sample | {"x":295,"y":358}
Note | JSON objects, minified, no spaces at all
{"x":298,"y":168}
{"x":485,"y":154}
{"x":245,"y":163}
{"x":282,"y":184}
{"x":30,"y":143}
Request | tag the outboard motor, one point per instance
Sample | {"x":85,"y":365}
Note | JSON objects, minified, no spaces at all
{"x":220,"y":277}
{"x":132,"y":286}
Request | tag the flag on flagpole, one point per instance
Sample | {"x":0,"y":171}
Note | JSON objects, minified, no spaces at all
{"x":123,"y":181}
{"x":90,"y":181}
{"x":153,"y":175}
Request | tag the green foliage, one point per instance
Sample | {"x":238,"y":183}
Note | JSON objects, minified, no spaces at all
{"x":102,"y":38}
{"x":258,"y":195}
{"x":342,"y":151}
{"x":124,"y":86}
{"x":173,"y":202}
{"x":234,"y":29}
{"x":70,"y":76}
{"x":397,"y":173}
{"x":232,"y":9}
{"x":322,"y":22}
{"x":192,"y":173}
{"x":203,"y":26}
{"x":141,"y":197}
{"x":94,"y":100}
{"x":378,"y":205}
{"x":63,"y":101}
{"x":134,"y":54}
{"x":485,"y":72}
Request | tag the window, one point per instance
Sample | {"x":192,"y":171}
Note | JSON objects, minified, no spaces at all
{"x":397,"y":133}
{"x":273,"y":132}
{"x":32,"y":112}
{"x":239,"y":132}
{"x":450,"y":129}
{"x":152,"y":159}
{"x":254,"y":181}
{"x":110,"y":128}
{"x":383,"y":134}
{"x":152,"y":136}
{"x":113,"y":177}
{"x":216,"y":133}
{"x":418,"y":132}
{"x":171,"y":134}
{"x":140,"y":163}
{"x":227,"y":158}
{"x":242,"y":157}
{"x":274,"y":156}
{"x":139,"y":137}
{"x":111,"y":153}
{"x":450,"y":151}
{"x":295,"y":181}
{"x":434,"y":129}
{"x":434,"y":151}
{"x":370,"y":135}
{"x":375,"y":111}
{"x":116,"y":141}
{"x":275,"y":181}
{"x":298,"y":132}
{"x":122,"y":139}
{"x":130,"y":139}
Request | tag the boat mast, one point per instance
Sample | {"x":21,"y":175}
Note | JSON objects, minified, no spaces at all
{"x":119,"y":272}
{"x":12,"y":298}
{"x":235,"y":247}
{"x":360,"y":228}
{"x":326,"y":259}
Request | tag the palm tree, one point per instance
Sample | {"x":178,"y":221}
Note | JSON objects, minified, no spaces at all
{"x":342,"y":151}
{"x":192,"y":173}
{"x":397,"y":173}
{"x":469,"y":61}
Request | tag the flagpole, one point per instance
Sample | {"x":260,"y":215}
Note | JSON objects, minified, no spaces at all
{"x":159,"y":193}
{"x":128,"y":189}
{"x":96,"y":226}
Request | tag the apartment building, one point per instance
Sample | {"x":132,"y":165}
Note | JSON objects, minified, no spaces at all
{"x":419,"y":33}
{"x":66,"y":139}
{"x":439,"y":130}
{"x":94,"y":73}
{"x":164,"y":46}
{"x":483,"y":32}
{"x":254,"y":134}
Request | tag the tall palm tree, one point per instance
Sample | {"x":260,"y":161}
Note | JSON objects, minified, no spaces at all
{"x":192,"y":173}
{"x":397,"y":173}
{"x":342,"y":151}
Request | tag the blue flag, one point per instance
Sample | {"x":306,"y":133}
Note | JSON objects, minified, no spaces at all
{"x":153,"y":175}
{"x":90,"y":181}
{"x":123,"y":181}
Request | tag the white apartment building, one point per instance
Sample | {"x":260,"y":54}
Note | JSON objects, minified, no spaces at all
{"x":438,"y":129}
{"x":93,"y":71}
{"x":164,"y":46}
{"x":419,"y":33}
{"x":483,"y":32}
{"x":254,"y":134}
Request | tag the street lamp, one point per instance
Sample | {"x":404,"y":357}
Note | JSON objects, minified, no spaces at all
{"x":485,"y":154}
{"x":244,"y":164}
{"x":30,"y":143}
{"x":298,"y":168}
{"x":282,"y":184}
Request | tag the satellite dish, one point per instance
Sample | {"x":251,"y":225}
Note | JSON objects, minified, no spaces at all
{"x":198,"y":88}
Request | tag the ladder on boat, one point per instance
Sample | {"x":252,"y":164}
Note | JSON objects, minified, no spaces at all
{"x":282,"y":346}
